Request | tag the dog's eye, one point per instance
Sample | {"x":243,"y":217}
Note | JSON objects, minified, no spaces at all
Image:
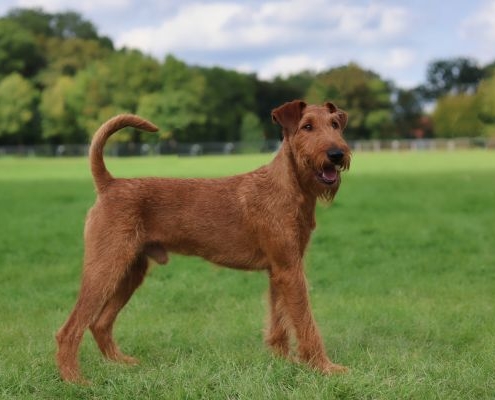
{"x":335,"y":125}
{"x":308,"y":127}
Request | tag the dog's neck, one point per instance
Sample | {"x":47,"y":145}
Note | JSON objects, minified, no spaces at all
{"x":285,"y":174}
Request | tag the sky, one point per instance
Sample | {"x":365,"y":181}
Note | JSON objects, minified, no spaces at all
{"x":396,"y":39}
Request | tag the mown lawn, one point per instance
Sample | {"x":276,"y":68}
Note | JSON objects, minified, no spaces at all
{"x":401,"y":269}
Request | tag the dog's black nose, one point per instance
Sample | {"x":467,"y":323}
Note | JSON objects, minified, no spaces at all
{"x":335,"y":155}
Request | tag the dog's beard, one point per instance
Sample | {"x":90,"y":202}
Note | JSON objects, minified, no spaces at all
{"x":312,"y":176}
{"x":327,"y":195}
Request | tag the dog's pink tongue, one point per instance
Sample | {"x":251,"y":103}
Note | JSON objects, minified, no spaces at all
{"x":330,"y":174}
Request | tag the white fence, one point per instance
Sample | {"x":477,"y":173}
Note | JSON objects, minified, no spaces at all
{"x":196,"y":149}
{"x":423,"y":144}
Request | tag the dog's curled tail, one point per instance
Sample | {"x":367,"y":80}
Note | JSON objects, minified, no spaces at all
{"x":100,"y":173}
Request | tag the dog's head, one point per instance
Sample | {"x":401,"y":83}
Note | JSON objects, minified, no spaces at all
{"x":314,"y":135}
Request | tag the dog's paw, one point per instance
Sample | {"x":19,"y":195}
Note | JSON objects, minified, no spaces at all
{"x":128,"y":360}
{"x":333,"y":369}
{"x":75,"y":379}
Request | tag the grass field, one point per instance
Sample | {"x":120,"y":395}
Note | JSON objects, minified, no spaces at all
{"x":401,"y":269}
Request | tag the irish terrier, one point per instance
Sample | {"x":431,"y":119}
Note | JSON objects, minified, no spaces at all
{"x":261,"y":220}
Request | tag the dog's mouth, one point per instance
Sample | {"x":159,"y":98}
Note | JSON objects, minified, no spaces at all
{"x":329,"y":174}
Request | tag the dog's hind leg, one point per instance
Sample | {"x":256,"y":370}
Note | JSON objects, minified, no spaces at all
{"x":102,"y":327}
{"x":102,"y":275}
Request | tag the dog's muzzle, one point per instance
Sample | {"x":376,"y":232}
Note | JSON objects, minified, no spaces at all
{"x":331,"y":172}
{"x":336,"y":156}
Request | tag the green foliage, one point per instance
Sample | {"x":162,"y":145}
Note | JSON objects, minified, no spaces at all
{"x":457,"y":116}
{"x":65,"y":57}
{"x":485,"y":101}
{"x":18,"y":50}
{"x":228,"y":96}
{"x":108,"y":87}
{"x":269,"y":95}
{"x":91,"y":97}
{"x":175,"y":112}
{"x":34,"y":20}
{"x":178,"y":107}
{"x":64,"y":25}
{"x":467,"y":114}
{"x":251,"y":128}
{"x":71,"y":24}
{"x":450,"y":77}
{"x":379,"y":123}
{"x":198,"y":104}
{"x":401,"y":280}
{"x":58,"y":121}
{"x":360,"y":93}
{"x":177,"y":75}
{"x":18,"y":107}
{"x":407,"y":111}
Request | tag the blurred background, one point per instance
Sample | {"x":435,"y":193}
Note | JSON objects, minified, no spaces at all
{"x":415,"y":74}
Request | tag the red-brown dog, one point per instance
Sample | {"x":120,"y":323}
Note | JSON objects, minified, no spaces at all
{"x":261,"y":220}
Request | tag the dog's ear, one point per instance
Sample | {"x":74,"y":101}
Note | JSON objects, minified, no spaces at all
{"x":341,"y":114}
{"x":288,"y":115}
{"x":332,"y":107}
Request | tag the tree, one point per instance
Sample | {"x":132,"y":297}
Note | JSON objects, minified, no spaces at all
{"x":177,"y":75}
{"x":64,"y":25}
{"x":360,"y":93}
{"x":299,"y":82}
{"x":19,"y":51}
{"x":68,"y":56}
{"x":228,"y":96}
{"x":111,"y":86}
{"x":34,"y":20}
{"x":129,"y":75}
{"x":269,"y":95}
{"x":489,"y":70}
{"x":407,"y":111}
{"x":178,"y":107}
{"x":175,"y":112}
{"x":380,"y":125}
{"x":452,"y":76}
{"x":59,"y":122}
{"x":485,"y":103}
{"x":72,"y":25}
{"x":18,"y":102}
{"x":457,"y":116}
{"x":251,"y":128}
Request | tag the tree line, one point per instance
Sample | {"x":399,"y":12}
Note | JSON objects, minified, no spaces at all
{"x":59,"y":80}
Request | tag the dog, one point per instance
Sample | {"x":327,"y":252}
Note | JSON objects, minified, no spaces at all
{"x":260,"y":220}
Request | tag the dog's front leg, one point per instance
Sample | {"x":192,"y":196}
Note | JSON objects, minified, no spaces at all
{"x":291,"y":284}
{"x":277,"y":335}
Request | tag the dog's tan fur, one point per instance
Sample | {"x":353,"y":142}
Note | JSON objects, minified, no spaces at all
{"x":261,"y":220}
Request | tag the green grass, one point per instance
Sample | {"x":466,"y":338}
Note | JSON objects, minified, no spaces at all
{"x":401,"y":269}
